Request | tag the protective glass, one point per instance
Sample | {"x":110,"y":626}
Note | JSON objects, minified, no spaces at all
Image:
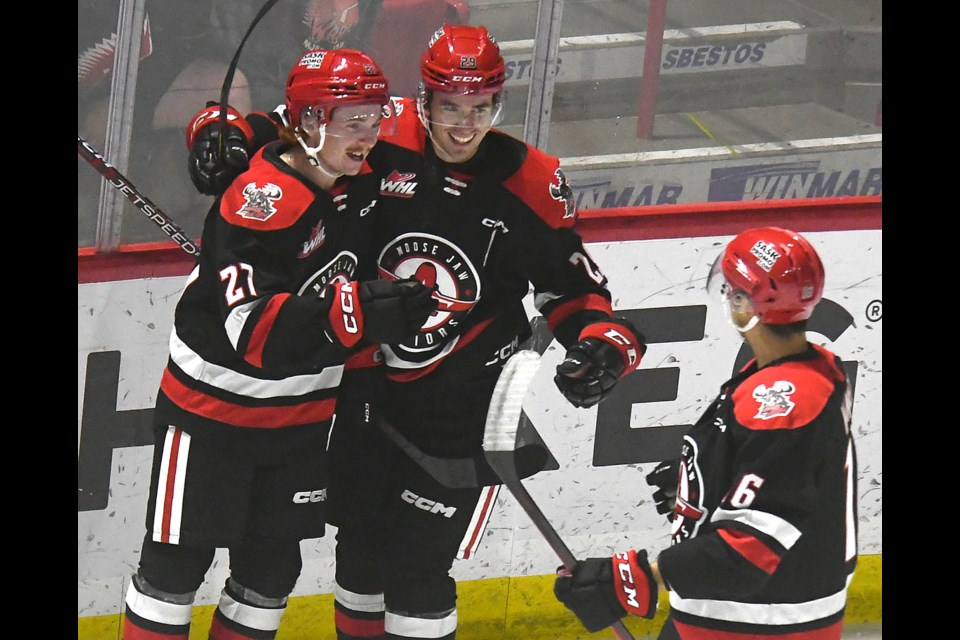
{"x":731,"y":299}
{"x":447,"y":111}
{"x":371,"y":121}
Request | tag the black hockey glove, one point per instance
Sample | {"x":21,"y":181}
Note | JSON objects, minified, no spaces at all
{"x":664,"y":478}
{"x":600,"y":591}
{"x":394,"y":309}
{"x":213,"y":167}
{"x":592,"y":367}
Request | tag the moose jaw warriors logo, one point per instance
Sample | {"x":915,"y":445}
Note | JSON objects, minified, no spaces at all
{"x":774,"y":400}
{"x":259,"y":201}
{"x":437,"y":263}
{"x":689,"y":513}
{"x":341,"y":269}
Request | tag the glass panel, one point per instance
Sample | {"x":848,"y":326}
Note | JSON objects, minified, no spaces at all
{"x":738,"y":85}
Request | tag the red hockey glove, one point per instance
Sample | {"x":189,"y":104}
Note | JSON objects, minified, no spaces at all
{"x":381,"y":311}
{"x":665,"y":479}
{"x":394,"y":310}
{"x":600,"y":591}
{"x":606,"y":352}
{"x":213,"y":166}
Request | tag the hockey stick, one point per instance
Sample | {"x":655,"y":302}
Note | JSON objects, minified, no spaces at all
{"x":152,"y":211}
{"x":231,"y":70}
{"x":467,"y":473}
{"x":499,"y":441}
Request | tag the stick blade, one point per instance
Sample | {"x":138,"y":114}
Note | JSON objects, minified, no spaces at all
{"x":506,"y":404}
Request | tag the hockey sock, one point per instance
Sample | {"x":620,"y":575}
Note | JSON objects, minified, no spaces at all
{"x":152,"y":614}
{"x":402,"y":625}
{"x":358,"y":616}
{"x":244,"y":614}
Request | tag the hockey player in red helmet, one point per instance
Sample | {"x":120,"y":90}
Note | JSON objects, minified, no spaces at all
{"x":762,"y":498}
{"x":461,"y":90}
{"x":338,"y":96}
{"x":775,"y":270}
{"x":481,"y":217}
{"x":284,"y":294}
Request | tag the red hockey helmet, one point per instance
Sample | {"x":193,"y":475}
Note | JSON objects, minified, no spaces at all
{"x":323,"y":79}
{"x":778,"y":269}
{"x":462,"y":59}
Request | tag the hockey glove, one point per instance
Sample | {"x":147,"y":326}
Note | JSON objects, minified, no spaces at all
{"x":664,"y":478}
{"x":605,"y":353}
{"x":394,"y":310}
{"x":213,"y":166}
{"x":600,"y":591}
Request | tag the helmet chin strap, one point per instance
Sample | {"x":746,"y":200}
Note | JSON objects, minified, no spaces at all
{"x":422,"y":98}
{"x":750,"y":325}
{"x":728,"y":312}
{"x":312,"y":152}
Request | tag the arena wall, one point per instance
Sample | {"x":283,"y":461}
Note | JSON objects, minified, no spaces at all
{"x":657,"y":260}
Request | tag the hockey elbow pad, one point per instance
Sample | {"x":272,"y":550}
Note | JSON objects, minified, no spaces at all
{"x":606,"y":351}
{"x":214,"y":165}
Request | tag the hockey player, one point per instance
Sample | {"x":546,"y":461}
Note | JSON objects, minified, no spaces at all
{"x":764,"y":522}
{"x":478,"y":216}
{"x":284,"y":293}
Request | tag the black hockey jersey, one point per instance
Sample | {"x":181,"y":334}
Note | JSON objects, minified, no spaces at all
{"x":268,"y":317}
{"x":481,"y":233}
{"x":765,"y":535}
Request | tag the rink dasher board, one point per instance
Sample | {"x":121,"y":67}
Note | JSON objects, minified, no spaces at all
{"x":134,"y":317}
{"x":813,"y":168}
{"x":759,"y":45}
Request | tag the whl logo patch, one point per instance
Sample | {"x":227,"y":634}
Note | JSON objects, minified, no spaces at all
{"x":398,"y":184}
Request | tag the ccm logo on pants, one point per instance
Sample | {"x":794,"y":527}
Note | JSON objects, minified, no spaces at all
{"x":426,"y":504}
{"x":303,"y":497}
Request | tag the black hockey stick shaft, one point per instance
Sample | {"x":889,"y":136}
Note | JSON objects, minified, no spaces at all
{"x":142,"y":202}
{"x":549,"y":533}
{"x":499,"y":442}
{"x":232,"y":69}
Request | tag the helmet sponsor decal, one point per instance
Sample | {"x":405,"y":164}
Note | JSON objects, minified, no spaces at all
{"x":774,"y":400}
{"x":312,"y":59}
{"x":766,"y":254}
{"x":259,"y":201}
{"x":436,"y":36}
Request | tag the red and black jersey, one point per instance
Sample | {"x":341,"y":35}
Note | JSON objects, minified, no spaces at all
{"x":765,"y":535}
{"x":264,"y":324}
{"x":482,"y":233}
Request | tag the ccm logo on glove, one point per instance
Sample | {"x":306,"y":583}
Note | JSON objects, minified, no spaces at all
{"x":614,"y":336}
{"x":634,"y":583}
{"x":346,"y":316}
{"x":347,"y":297}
